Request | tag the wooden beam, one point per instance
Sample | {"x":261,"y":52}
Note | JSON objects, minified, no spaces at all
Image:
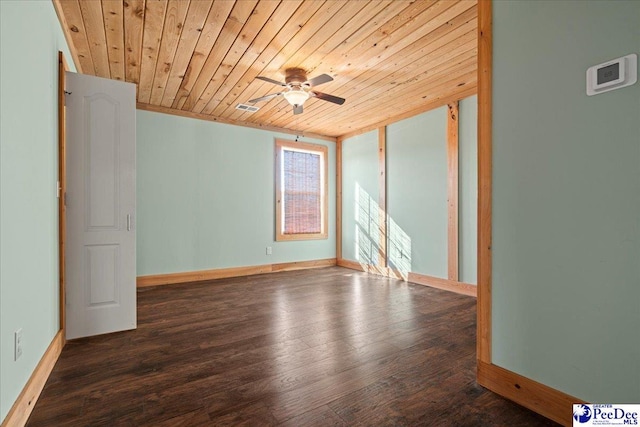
{"x":223,"y":273}
{"x":382,"y":196}
{"x":452,"y":190}
{"x":485,"y":55}
{"x":183,"y":113}
{"x":23,"y":406}
{"x":339,"y":198}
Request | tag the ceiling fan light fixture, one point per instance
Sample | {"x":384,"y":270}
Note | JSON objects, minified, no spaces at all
{"x":298,"y":89}
{"x":296,"y":96}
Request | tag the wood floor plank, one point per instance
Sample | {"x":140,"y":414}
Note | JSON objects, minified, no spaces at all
{"x":322,"y":416}
{"x":196,"y":418}
{"x":285,"y":380}
{"x":335,"y":386}
{"x":304,"y":348}
{"x":255,"y":415}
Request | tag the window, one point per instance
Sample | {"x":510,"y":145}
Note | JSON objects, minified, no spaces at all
{"x":301,"y":190}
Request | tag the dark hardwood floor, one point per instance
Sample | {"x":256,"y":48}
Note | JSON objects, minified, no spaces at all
{"x":328,"y":347}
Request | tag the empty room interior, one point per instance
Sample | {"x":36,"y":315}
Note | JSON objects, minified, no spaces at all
{"x":318,"y":212}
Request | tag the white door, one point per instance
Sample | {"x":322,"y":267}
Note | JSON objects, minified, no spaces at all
{"x":100,"y":201}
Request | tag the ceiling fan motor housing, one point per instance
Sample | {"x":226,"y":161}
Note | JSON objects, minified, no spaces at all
{"x":295,"y":76}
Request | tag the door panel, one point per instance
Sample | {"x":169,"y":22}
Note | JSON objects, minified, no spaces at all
{"x":102,"y":175}
{"x":102,"y":272}
{"x":100,"y":202}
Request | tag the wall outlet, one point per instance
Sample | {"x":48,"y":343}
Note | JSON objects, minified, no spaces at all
{"x":17,"y":344}
{"x":269,"y":250}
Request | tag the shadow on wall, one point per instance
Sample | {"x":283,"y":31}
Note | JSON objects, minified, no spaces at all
{"x":369,"y":233}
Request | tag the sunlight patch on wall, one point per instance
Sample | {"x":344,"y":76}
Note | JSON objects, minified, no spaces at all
{"x":367,"y":223}
{"x":399,"y":249}
{"x":369,"y":234}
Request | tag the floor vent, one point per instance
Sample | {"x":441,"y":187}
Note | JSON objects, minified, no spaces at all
{"x":249,"y":108}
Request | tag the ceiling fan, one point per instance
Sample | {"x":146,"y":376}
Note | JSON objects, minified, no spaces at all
{"x":299,"y":89}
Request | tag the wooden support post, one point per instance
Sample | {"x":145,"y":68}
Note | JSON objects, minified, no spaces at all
{"x":382,"y":196}
{"x":485,"y":55}
{"x":339,"y":199}
{"x":452,"y":190}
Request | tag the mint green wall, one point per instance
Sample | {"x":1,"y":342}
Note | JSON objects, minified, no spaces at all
{"x":360,"y":190}
{"x":566,"y":199}
{"x":206,"y":197}
{"x":468,"y":189}
{"x":30,"y":37}
{"x":417,"y":192}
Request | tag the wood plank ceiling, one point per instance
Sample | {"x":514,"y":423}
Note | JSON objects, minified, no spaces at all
{"x":389,"y":58}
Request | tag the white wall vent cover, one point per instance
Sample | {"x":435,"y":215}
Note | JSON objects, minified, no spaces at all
{"x":249,"y":108}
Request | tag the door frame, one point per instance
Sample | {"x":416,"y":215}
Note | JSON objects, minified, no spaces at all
{"x":62,"y":186}
{"x":485,"y":106}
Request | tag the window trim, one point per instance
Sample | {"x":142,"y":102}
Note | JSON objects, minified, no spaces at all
{"x":323,"y":150}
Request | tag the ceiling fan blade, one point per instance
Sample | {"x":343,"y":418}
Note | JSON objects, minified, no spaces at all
{"x":318,"y":80}
{"x":267,"y":79}
{"x":297,"y":109}
{"x":265,"y":98}
{"x":327,"y":97}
